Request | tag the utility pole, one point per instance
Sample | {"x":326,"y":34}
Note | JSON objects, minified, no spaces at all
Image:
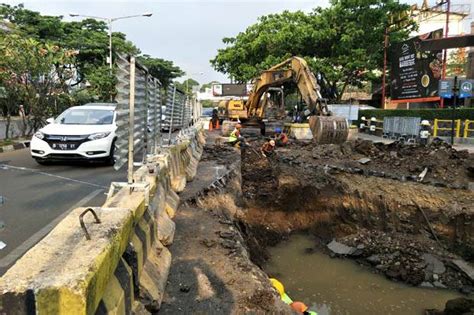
{"x":453,"y":112}
{"x":445,"y":51}
{"x":384,"y":74}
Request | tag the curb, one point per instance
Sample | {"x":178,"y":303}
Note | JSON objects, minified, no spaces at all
{"x":15,"y":146}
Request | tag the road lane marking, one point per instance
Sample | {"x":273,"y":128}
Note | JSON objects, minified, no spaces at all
{"x":35,"y":238}
{"x":32,"y":170}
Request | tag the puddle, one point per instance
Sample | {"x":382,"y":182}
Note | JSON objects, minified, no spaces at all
{"x":339,"y":286}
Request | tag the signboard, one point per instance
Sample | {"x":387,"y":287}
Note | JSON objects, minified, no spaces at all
{"x":445,"y":88}
{"x":230,"y":89}
{"x":415,"y":73}
{"x":217,"y":89}
{"x":466,"y":88}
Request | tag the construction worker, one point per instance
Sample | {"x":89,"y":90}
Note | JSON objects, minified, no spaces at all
{"x":362,"y":125}
{"x":235,"y":138}
{"x":425,"y":132}
{"x":214,"y":122}
{"x":373,"y":122}
{"x":281,"y":138}
{"x":268,"y":148}
{"x":300,"y":307}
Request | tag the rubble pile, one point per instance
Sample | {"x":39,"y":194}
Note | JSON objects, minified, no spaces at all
{"x":364,"y":201}
{"x":438,"y":163}
{"x":402,"y":257}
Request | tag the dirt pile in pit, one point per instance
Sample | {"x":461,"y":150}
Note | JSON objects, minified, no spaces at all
{"x":445,"y":166}
{"x":415,"y":259}
{"x":377,"y":216}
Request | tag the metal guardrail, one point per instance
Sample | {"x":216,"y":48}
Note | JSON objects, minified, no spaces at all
{"x":141,"y":115}
{"x":401,"y":128}
{"x":447,"y":126}
{"x":467,"y":128}
{"x":123,"y":112}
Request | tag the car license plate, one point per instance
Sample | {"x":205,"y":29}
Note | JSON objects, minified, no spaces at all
{"x":64,"y":146}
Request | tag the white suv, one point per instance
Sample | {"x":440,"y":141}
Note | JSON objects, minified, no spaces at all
{"x":84,"y":132}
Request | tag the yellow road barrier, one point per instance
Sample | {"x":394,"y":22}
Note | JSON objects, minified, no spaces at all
{"x":437,"y":128}
{"x":467,"y":128}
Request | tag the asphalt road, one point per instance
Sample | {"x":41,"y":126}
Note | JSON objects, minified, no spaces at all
{"x":36,"y":197}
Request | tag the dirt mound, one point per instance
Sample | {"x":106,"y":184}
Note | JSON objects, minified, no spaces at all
{"x":445,"y":165}
{"x":415,"y":260}
{"x":307,"y":188}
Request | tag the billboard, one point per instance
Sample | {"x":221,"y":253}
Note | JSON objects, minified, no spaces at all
{"x":231,"y":89}
{"x":415,"y":73}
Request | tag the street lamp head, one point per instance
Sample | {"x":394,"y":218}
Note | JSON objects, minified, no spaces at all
{"x":147,"y":14}
{"x":73,"y":14}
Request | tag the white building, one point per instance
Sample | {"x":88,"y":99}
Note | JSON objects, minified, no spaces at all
{"x":431,"y":18}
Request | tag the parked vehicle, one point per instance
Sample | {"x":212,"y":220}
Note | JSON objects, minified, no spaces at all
{"x":84,"y":132}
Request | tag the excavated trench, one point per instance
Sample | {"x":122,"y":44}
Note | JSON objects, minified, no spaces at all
{"x":417,"y":233}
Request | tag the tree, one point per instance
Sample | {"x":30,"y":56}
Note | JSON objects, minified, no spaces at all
{"x":36,"y":75}
{"x":207,"y":86}
{"x":163,"y":70}
{"x":457,"y":63}
{"x":187,"y":85}
{"x":343,"y":41}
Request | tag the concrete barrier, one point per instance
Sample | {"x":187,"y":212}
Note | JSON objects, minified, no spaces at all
{"x":299,"y":131}
{"x":125,"y":265}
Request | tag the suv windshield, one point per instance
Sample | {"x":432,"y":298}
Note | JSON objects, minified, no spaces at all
{"x":86,"y":116}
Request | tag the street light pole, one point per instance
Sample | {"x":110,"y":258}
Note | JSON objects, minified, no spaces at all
{"x":110,"y":43}
{"x":109,"y":23}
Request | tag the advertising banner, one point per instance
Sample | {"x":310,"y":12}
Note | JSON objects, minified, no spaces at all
{"x":415,"y":74}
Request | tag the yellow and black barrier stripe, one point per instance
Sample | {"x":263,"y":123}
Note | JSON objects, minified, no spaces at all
{"x":119,"y":294}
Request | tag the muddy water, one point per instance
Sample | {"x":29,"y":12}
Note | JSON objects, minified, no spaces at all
{"x":339,"y":286}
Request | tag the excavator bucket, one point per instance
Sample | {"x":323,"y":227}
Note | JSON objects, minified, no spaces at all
{"x":329,"y":129}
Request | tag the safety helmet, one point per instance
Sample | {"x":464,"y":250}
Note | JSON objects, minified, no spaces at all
{"x":362,"y":118}
{"x":238,"y":126}
{"x":278,"y":130}
{"x":300,"y":307}
{"x":425,"y":122}
{"x":373,"y":119}
{"x":272,"y":143}
{"x":278,"y":286}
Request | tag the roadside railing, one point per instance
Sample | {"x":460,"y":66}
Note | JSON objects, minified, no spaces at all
{"x":443,"y":127}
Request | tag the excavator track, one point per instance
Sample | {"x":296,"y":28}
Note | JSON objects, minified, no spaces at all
{"x":329,"y":129}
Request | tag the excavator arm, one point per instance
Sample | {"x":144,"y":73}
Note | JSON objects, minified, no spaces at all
{"x":325,"y":127}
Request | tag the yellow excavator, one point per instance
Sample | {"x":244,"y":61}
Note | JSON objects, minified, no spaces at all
{"x":325,"y":127}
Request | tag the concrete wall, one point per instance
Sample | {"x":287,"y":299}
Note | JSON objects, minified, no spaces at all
{"x":123,"y":269}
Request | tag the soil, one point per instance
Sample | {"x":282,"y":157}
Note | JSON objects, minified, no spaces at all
{"x":446,"y":167}
{"x":392,"y":224}
{"x":211,"y":272}
{"x":409,"y":230}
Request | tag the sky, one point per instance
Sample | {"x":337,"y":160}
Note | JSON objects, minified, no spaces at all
{"x":188,"y":32}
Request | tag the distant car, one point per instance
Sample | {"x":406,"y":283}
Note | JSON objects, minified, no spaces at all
{"x":84,"y":132}
{"x":207,"y":112}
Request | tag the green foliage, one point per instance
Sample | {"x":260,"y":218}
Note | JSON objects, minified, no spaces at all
{"x":429,"y":114}
{"x":207,"y":103}
{"x":89,"y":37}
{"x":34,"y":74}
{"x":187,"y":85}
{"x":162,"y":69}
{"x":344,"y":41}
{"x":207,"y":86}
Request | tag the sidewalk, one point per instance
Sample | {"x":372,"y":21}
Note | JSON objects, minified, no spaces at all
{"x":16,"y":144}
{"x":364,"y":136}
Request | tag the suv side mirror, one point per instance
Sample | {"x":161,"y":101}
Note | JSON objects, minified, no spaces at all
{"x":50,"y":120}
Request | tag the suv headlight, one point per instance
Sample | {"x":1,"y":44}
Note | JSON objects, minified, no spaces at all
{"x":39,"y":135}
{"x":98,"y":135}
